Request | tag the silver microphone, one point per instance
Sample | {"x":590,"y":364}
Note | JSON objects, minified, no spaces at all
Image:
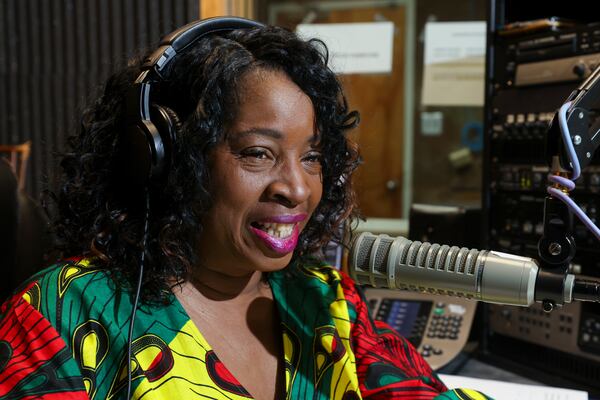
{"x":489,"y":276}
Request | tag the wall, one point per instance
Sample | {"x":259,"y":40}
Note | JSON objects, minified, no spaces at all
{"x":55,"y":54}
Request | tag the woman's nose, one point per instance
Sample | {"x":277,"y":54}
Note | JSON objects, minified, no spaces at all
{"x":290,"y":185}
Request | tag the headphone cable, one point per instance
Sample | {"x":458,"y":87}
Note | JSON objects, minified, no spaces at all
{"x":137,"y":292}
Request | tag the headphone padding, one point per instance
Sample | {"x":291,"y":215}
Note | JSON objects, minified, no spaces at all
{"x":145,"y":148}
{"x":167,"y":124}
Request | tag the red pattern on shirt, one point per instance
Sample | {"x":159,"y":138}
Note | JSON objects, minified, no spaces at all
{"x":32,"y":343}
{"x":380,"y":349}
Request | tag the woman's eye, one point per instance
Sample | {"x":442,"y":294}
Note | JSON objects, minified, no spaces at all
{"x":256,"y":157}
{"x":259,"y":154}
{"x":315,"y":157}
{"x":312,"y":162}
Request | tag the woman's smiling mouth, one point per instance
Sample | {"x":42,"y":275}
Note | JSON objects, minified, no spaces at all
{"x":279,"y":233}
{"x":276,"y":230}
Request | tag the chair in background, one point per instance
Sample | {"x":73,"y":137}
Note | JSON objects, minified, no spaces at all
{"x":18,"y":156}
{"x":24,"y":233}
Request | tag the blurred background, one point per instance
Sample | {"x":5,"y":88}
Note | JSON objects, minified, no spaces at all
{"x":56,"y":54}
{"x":455,"y":99}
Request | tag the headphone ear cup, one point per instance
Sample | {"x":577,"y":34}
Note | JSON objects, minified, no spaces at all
{"x":167,"y":125}
{"x":175,"y":122}
{"x":145,"y":149}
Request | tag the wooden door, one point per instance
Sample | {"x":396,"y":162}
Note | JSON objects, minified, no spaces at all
{"x":380,"y":100}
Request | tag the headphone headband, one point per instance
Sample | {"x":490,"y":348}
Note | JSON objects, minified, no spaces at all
{"x":177,"y":41}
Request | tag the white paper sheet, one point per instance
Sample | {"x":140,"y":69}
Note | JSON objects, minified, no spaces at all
{"x":361,"y":47}
{"x":511,"y":391}
{"x":454,"y":64}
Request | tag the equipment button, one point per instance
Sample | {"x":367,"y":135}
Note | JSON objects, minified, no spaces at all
{"x":585,"y":337}
{"x":437,"y":352}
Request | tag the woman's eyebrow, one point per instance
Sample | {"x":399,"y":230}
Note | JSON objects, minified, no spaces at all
{"x":260,"y":132}
{"x":272,"y":133}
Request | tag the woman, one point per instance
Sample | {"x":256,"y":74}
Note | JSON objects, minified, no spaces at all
{"x":232,"y":304}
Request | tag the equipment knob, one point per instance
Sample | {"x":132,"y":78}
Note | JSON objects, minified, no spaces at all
{"x":391,"y":185}
{"x":579,"y":69}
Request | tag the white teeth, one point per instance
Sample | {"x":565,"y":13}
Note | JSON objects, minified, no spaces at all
{"x":277,"y":230}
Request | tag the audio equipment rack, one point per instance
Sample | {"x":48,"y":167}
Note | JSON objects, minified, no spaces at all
{"x":529,"y":74}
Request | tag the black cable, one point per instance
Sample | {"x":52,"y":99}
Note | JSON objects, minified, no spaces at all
{"x":137,"y":293}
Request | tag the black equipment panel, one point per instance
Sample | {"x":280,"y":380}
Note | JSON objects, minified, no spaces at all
{"x":408,"y":317}
{"x":529,"y":76}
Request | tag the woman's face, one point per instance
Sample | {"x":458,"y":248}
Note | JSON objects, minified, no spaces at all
{"x":265,"y":178}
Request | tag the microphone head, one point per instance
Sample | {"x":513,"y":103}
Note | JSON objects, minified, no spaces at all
{"x":398,"y":263}
{"x":368,"y":260}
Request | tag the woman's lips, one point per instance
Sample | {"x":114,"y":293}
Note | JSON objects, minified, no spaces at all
{"x":280,"y":246}
{"x":285,"y":219}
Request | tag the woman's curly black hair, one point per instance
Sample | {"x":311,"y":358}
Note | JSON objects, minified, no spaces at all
{"x":94,"y":218}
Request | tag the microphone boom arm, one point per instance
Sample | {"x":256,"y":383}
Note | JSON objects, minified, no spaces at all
{"x":571,"y":141}
{"x":582,"y":122}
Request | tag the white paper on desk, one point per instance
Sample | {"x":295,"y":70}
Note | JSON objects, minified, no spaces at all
{"x":454,"y":64}
{"x":510,"y":391}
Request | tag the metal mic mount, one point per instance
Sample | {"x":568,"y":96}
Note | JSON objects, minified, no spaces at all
{"x":556,"y":249}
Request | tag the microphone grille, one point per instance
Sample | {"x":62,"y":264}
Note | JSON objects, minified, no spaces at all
{"x":453,"y":255}
{"x":382,"y":254}
{"x":438,"y":262}
{"x":433,"y":251}
{"x":364,"y":250}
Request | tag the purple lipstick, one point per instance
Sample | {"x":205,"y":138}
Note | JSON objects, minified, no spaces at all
{"x":279,"y":245}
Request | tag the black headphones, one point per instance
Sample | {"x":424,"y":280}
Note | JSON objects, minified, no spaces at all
{"x":146,"y":143}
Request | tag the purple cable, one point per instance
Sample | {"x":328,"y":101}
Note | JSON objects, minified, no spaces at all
{"x":564,"y":129}
{"x":569,"y":184}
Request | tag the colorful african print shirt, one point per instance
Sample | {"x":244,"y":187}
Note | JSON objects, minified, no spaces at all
{"x":65,"y":335}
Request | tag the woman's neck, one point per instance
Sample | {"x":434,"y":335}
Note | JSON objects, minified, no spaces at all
{"x":217,"y":285}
